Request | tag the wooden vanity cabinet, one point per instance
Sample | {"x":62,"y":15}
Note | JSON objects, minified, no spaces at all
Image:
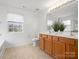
{"x":59,"y":47}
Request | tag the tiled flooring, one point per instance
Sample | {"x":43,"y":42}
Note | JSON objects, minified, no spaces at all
{"x":25,"y":52}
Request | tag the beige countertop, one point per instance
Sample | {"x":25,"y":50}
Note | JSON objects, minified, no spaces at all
{"x":68,"y":35}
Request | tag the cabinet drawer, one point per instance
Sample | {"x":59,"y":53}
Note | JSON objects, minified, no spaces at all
{"x":71,"y":41}
{"x":55,"y":38}
{"x":67,"y":40}
{"x":42,"y":35}
{"x":61,"y":39}
{"x":50,"y":37}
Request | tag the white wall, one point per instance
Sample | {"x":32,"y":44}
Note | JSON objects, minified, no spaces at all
{"x":41,"y":17}
{"x":17,"y":39}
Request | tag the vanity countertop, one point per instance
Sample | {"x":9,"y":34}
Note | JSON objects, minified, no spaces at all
{"x":62,"y":35}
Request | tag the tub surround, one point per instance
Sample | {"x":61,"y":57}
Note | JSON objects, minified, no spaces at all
{"x":1,"y":42}
{"x":2,"y":48}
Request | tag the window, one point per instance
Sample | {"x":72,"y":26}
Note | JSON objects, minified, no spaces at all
{"x":49,"y":23}
{"x":67,"y":23}
{"x":15,"y":22}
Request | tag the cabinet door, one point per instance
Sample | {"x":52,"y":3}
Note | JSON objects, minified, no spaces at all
{"x":41,"y":42}
{"x":72,"y":52}
{"x":71,"y":49}
{"x":48,"y":45}
{"x":59,"y":50}
{"x":53,"y":42}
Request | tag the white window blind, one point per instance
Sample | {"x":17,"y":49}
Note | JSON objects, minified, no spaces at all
{"x":15,"y":22}
{"x":67,"y":23}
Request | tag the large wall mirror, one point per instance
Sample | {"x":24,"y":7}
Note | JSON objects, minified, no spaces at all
{"x":67,"y":14}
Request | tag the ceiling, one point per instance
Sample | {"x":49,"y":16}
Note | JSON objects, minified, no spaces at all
{"x":30,"y":4}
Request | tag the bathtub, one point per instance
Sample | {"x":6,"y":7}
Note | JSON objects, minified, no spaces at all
{"x":2,"y":48}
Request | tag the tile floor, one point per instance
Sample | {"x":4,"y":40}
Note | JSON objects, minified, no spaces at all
{"x":25,"y":52}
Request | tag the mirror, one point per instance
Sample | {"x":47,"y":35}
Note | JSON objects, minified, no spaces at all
{"x":67,"y":14}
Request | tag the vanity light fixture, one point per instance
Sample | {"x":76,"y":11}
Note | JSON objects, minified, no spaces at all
{"x":59,"y":5}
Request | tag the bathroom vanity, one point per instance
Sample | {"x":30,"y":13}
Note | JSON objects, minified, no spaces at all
{"x":63,"y":45}
{"x":59,"y":46}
